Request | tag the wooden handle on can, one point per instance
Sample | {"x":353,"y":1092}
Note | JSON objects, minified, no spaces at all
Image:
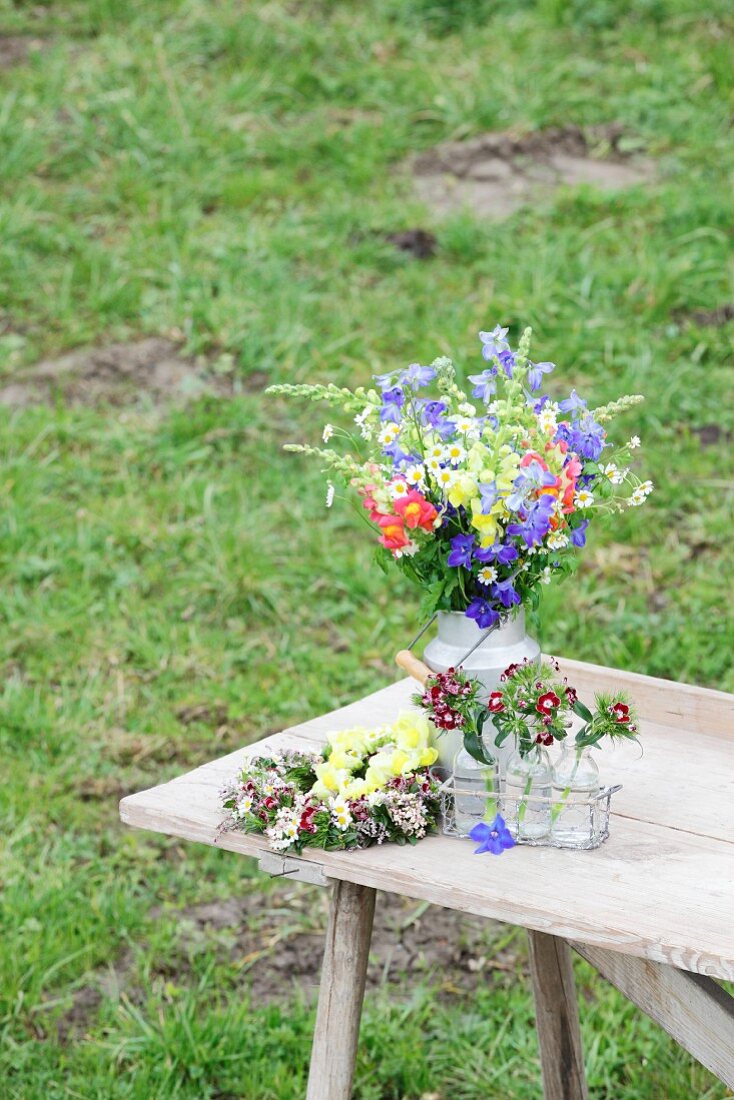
{"x":413,"y":666}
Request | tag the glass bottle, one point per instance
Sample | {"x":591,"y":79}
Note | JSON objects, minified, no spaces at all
{"x":475,"y":796}
{"x":526,"y":804}
{"x":575,"y":782}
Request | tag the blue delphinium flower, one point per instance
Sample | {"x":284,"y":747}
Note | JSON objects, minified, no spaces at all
{"x":504,"y":592}
{"x":578,"y":534}
{"x":484,"y":615}
{"x":385,"y":381}
{"x":536,"y":372}
{"x":501,"y":553}
{"x":489,"y":494}
{"x":485,"y":384}
{"x":495,"y":837}
{"x":571,"y":403}
{"x":507,"y":362}
{"x":461,"y":550}
{"x":587,"y":438}
{"x":417,"y":376}
{"x":535,"y":525}
{"x":432,"y":412}
{"x":494,"y":342}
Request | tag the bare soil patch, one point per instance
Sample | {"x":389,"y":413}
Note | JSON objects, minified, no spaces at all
{"x":15,"y":49}
{"x":273,"y":941}
{"x":118,"y":374}
{"x":495,"y":174}
{"x":708,"y":318}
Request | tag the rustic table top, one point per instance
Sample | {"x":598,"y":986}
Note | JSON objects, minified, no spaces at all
{"x":661,"y":887}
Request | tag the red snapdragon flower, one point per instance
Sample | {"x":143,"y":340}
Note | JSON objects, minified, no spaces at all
{"x":547,"y":703}
{"x":415,"y":510}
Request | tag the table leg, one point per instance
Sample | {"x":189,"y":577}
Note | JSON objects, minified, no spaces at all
{"x":557,"y":1018}
{"x":342,"y":989}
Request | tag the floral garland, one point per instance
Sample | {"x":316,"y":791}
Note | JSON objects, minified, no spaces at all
{"x":365,"y":787}
{"x":481,"y":499}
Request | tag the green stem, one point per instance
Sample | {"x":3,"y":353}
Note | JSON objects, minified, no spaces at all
{"x":558,"y":809}
{"x":522,"y":808}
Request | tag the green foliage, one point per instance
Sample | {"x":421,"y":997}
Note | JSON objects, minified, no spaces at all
{"x":171,"y":585}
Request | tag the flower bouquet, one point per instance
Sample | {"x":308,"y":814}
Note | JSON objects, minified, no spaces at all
{"x":363,"y":788}
{"x":477,"y":498}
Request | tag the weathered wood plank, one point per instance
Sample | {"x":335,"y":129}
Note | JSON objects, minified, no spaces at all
{"x":697,"y":1012}
{"x":557,"y":1018}
{"x":341,"y":993}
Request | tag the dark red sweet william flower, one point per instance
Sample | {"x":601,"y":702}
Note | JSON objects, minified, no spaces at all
{"x":547,"y":703}
{"x":545,"y":737}
{"x":306,"y":824}
{"x":620,"y":712}
{"x":509,"y":672}
{"x":495,"y":703}
{"x":571,"y":695}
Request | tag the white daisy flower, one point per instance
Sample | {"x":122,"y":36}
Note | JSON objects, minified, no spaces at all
{"x":455,"y":453}
{"x":557,"y":540}
{"x":436,"y":451}
{"x":388,"y":434}
{"x":634,"y":442}
{"x":415,"y":475}
{"x":446,"y":479}
{"x":434,"y":465}
{"x":399,"y":487}
{"x":340,"y":813}
{"x":244,"y":805}
{"x":647,"y":487}
{"x":583,"y":499}
{"x":547,"y":422}
{"x":330,"y":493}
{"x":327,"y":432}
{"x":464,"y":425}
{"x":487,"y":575}
{"x":613,"y":472}
{"x":638,"y":497}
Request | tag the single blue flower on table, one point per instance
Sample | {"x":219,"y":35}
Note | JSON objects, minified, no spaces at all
{"x":499,"y":552}
{"x":494,"y":342}
{"x":483,"y":615}
{"x":417,"y":376}
{"x":485,"y":385}
{"x":494,"y":837}
{"x":461,"y":550}
{"x":536,"y":372}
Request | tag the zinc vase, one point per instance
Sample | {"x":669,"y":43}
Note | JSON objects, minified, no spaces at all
{"x":509,"y":644}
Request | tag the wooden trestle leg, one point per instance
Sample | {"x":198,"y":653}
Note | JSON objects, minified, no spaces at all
{"x":341,"y":993}
{"x":557,"y":1018}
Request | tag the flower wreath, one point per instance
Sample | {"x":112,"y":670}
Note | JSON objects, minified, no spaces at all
{"x":363,"y":788}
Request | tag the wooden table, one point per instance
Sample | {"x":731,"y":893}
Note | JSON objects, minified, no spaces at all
{"x":652,"y":909}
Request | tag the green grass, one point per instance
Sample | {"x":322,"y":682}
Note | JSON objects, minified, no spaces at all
{"x":213,"y":171}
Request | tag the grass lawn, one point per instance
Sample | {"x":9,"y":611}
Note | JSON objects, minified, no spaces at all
{"x":220,"y":174}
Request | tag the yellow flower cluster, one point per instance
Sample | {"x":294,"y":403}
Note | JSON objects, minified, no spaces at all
{"x":362,"y":761}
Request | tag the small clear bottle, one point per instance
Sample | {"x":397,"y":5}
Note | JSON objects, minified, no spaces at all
{"x":475,"y":794}
{"x":526,"y":802}
{"x":575,"y":783}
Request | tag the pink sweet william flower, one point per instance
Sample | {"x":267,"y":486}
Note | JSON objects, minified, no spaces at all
{"x":620,"y":712}
{"x":416,"y":510}
{"x":495,"y":703}
{"x":547,"y":703}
